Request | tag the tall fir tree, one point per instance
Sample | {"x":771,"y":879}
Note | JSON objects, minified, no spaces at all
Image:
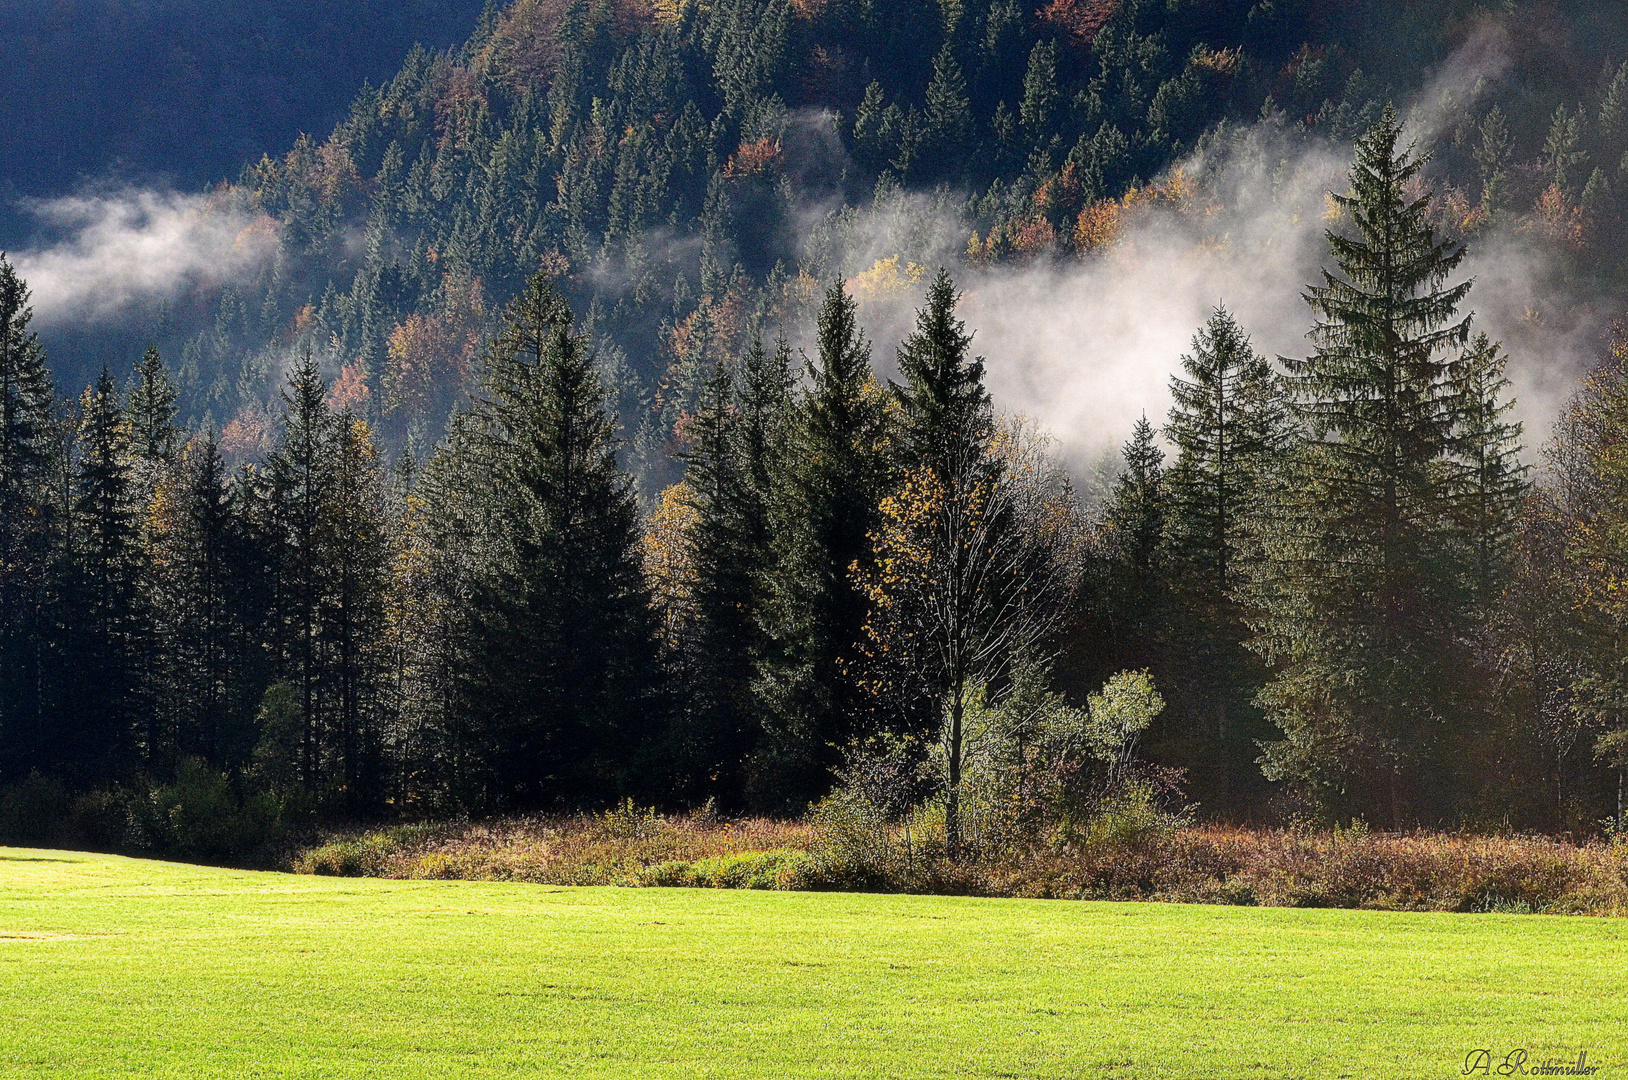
{"x":949,"y":633}
{"x":947,"y":122}
{"x":152,"y":407}
{"x":448,"y":545}
{"x":1134,"y":522}
{"x":155,"y":445}
{"x":1041,"y":92}
{"x":1228,"y":423}
{"x":1491,"y":480}
{"x":103,"y":695}
{"x":202,"y":632}
{"x":301,"y":475}
{"x":718,"y":638}
{"x":29,"y":448}
{"x":732,"y":466}
{"x":763,"y":403}
{"x":836,"y":472}
{"x":359,"y":571}
{"x":1359,"y":605}
{"x":946,"y":417}
{"x":570,"y":692}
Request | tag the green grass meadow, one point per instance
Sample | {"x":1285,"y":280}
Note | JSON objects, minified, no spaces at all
{"x":113,"y":967}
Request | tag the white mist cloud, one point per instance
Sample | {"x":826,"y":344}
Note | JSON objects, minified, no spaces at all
{"x":1098,"y":348}
{"x":1085,"y":346}
{"x":117,"y":250}
{"x":1465,"y":75}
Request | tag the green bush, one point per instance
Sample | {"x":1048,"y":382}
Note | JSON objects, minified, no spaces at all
{"x":860,"y":846}
{"x":786,"y":868}
{"x":365,"y":855}
{"x":673,"y":874}
{"x":753,"y":870}
{"x":100,"y":820}
{"x":1532,"y":884}
{"x":280,"y":728}
{"x":357,"y":856}
{"x":854,"y":846}
{"x":1128,"y":815}
{"x":202,"y":815}
{"x":35,"y":812}
{"x":626,"y":821}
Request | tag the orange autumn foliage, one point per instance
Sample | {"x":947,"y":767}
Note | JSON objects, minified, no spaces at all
{"x":350,"y":390}
{"x":1557,"y":219}
{"x":1077,"y":20}
{"x":247,"y":434}
{"x":1098,"y":224}
{"x":752,"y":158}
{"x":668,"y":557}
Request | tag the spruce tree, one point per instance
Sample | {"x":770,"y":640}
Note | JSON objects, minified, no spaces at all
{"x":1127,"y":587}
{"x":763,"y":400}
{"x":1135,"y":520}
{"x":196,"y":541}
{"x":732,"y":466}
{"x":1491,"y":482}
{"x":154,"y":434}
{"x":718,"y":638}
{"x":29,"y":449}
{"x":1358,"y":605}
{"x":448,"y":569}
{"x":103,"y":694}
{"x":1040,"y":94}
{"x":947,"y":123}
{"x":1492,"y":160}
{"x":1228,"y":423}
{"x":359,"y":569}
{"x":836,"y":471}
{"x":301,"y":477}
{"x":946,"y":415}
{"x":569,"y":693}
{"x":155,"y":443}
{"x":943,"y":627}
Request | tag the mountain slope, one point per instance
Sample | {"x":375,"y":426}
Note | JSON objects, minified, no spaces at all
{"x":690,"y":169}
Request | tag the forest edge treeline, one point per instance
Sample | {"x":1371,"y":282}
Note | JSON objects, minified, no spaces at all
{"x":1344,"y":598}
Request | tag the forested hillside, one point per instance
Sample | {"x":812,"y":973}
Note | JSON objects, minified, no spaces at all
{"x":695,"y":170}
{"x":536,"y":454}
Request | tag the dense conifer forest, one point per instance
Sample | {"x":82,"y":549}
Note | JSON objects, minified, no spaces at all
{"x":543,"y":457}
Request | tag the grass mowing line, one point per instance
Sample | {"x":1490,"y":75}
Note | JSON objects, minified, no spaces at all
{"x":162,"y":969}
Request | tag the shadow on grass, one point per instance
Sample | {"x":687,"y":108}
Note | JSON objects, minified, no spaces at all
{"x":35,"y":858}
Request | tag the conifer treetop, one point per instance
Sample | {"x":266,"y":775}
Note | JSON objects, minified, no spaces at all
{"x":1387,"y":320}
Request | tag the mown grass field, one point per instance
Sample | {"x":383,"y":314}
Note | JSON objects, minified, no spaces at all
{"x":114,"y":967}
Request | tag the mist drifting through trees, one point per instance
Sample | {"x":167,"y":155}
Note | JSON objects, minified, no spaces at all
{"x":525,"y":446}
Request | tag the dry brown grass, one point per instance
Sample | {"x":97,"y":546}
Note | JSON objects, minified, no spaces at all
{"x":617,"y":848}
{"x":1276,"y":868}
{"x":1349,"y":869}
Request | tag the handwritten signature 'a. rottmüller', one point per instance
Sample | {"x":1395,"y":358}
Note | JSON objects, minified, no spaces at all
{"x":1519,"y":1063}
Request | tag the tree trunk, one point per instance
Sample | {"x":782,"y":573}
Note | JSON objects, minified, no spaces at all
{"x":952,"y":796}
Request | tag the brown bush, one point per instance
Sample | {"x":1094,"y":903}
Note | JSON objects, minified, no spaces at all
{"x":616,"y":848}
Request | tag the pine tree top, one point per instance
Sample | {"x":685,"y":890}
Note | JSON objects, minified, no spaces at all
{"x":1386,"y":332}
{"x":152,"y":407}
{"x":1389,"y":300}
{"x":947,"y":411}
